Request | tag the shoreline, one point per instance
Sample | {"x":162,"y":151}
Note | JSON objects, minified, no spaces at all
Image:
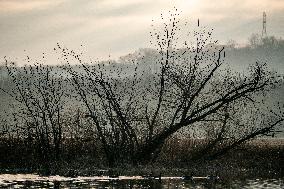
{"x":256,"y":159}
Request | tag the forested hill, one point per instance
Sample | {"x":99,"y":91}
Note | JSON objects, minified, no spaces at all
{"x":270,"y":51}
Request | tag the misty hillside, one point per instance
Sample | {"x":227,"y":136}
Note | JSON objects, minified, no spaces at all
{"x":145,"y":62}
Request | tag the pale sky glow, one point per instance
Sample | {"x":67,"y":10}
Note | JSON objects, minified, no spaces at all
{"x":119,"y":27}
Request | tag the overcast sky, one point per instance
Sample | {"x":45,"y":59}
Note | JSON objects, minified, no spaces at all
{"x":118,"y":27}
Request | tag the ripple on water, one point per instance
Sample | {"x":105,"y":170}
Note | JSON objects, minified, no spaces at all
{"x":35,"y":181}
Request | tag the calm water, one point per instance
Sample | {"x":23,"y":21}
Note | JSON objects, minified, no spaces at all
{"x":32,"y":181}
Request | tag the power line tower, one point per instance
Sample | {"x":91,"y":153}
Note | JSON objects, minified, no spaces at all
{"x":264,"y":34}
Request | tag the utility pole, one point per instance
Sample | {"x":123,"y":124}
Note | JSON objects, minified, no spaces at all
{"x":264,"y":34}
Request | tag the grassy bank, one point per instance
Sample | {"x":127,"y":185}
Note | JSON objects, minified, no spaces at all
{"x":261,"y":158}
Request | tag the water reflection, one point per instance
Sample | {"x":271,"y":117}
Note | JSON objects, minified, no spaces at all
{"x":136,"y":183}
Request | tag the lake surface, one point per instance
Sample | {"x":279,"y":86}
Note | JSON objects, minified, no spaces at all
{"x":35,"y":181}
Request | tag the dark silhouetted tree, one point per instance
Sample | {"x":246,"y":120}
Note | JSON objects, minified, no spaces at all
{"x":39,"y":95}
{"x":135,"y":113}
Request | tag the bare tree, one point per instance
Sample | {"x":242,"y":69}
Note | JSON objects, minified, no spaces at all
{"x":239,"y":123}
{"x":39,"y":98}
{"x":135,"y":115}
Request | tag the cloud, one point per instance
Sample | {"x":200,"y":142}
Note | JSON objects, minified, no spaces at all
{"x":20,"y":6}
{"x":224,"y":9}
{"x":118,"y":27}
